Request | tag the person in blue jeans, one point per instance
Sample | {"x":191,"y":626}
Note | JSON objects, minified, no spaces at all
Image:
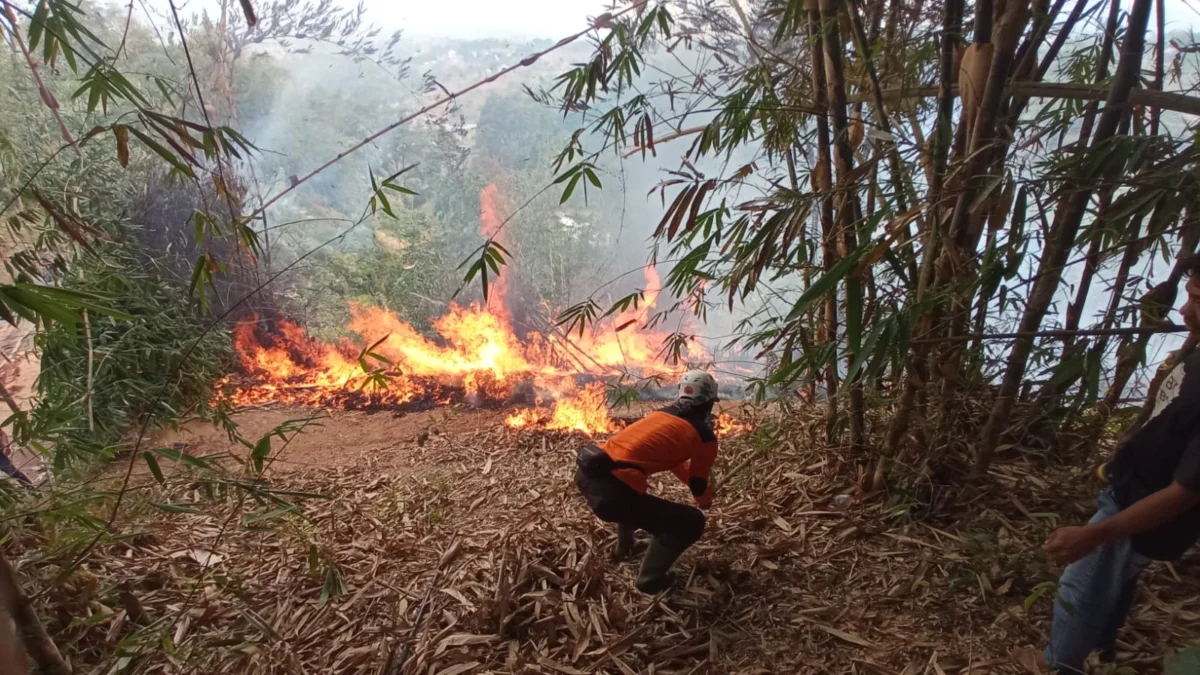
{"x":6,"y":464}
{"x":1150,"y":510}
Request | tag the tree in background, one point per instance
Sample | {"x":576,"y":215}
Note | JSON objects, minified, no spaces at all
{"x":929,"y":171}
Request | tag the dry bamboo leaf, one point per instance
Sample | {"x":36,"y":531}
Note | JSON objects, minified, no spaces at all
{"x":121,"y":132}
{"x":841,"y":634}
{"x":856,"y":131}
{"x":460,"y":668}
{"x":626,"y":670}
{"x":465,"y":639}
{"x":457,"y":595}
{"x":558,"y":667}
{"x":972,"y":77}
{"x":114,"y":631}
{"x":200,"y":556}
{"x":624,"y":642}
{"x":182,"y":629}
{"x":933,"y":663}
{"x":451,"y":553}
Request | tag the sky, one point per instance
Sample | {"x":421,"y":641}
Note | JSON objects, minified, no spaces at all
{"x":460,"y":18}
{"x":485,"y":18}
{"x":558,"y":18}
{"x":551,"y":19}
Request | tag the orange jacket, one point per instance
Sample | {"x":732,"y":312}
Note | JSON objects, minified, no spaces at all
{"x":678,"y":439}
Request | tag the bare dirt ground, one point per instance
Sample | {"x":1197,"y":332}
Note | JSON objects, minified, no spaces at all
{"x":339,"y":438}
{"x":333,"y":438}
{"x":470,"y":551}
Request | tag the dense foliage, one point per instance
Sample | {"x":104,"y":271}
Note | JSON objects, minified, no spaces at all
{"x":935,"y":173}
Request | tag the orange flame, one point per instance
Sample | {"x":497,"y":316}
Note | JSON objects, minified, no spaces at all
{"x":728,"y":425}
{"x":489,"y":227}
{"x":586,"y":412}
{"x":475,"y":353}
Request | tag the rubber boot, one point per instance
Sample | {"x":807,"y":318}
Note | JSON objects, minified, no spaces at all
{"x":655,"y":577}
{"x":627,"y":545}
{"x":625,"y":542}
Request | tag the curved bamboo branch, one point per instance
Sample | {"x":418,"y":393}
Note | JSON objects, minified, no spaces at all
{"x":1165,"y":100}
{"x":33,"y":635}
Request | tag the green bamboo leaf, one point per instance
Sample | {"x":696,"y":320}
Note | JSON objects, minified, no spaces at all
{"x":880,"y":334}
{"x":163,"y":152}
{"x":827,"y":282}
{"x":624,"y":303}
{"x":1069,"y":370}
{"x":591,"y":176}
{"x":154,"y":468}
{"x":262,"y":450}
{"x":272,"y":514}
{"x":180,"y":456}
{"x":333,"y":585}
{"x":37,"y":24}
{"x":69,"y":53}
{"x":569,"y":189}
{"x":179,"y":507}
{"x":1184,"y":662}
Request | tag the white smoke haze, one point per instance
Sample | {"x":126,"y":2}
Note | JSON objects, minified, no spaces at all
{"x":302,"y":109}
{"x":310,"y":107}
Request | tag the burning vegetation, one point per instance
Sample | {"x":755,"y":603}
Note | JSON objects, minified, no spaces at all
{"x":476,"y":358}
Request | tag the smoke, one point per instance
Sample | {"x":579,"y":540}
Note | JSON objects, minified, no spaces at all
{"x":479,"y":165}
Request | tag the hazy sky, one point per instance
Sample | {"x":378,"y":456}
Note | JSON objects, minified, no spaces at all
{"x":459,"y":18}
{"x":485,"y":18}
{"x":543,"y":18}
{"x":557,"y":18}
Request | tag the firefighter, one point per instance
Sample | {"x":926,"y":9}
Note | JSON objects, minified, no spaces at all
{"x":612,"y":478}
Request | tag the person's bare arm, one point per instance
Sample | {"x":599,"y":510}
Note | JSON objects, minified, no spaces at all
{"x":1069,"y":544}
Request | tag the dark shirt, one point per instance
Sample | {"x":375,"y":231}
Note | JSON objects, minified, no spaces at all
{"x":1165,"y":450}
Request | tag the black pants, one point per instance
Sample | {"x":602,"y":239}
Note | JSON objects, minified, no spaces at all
{"x":677,"y":526}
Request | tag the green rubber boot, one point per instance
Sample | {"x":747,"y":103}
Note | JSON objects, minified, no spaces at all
{"x":627,"y":545}
{"x":655,"y":576}
{"x":625,"y":542}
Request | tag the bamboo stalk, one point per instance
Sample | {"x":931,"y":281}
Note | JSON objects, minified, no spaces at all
{"x":918,"y":361}
{"x":881,"y":114}
{"x":33,"y":634}
{"x":846,"y":208}
{"x":1067,"y":219}
{"x":12,"y":657}
{"x":982,"y":151}
{"x":1159,"y":56}
{"x":1106,"y":48}
{"x":87,"y":329}
{"x":822,"y":182}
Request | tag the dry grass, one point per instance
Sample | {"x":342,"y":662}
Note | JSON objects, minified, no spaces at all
{"x":472,"y":553}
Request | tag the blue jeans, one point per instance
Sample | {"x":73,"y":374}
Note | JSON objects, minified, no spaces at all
{"x":9,"y":468}
{"x":1094,"y":596}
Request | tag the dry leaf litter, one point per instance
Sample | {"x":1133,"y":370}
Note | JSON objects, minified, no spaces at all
{"x":473,"y":553}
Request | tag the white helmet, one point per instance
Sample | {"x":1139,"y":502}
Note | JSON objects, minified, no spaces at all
{"x":697,"y":386}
